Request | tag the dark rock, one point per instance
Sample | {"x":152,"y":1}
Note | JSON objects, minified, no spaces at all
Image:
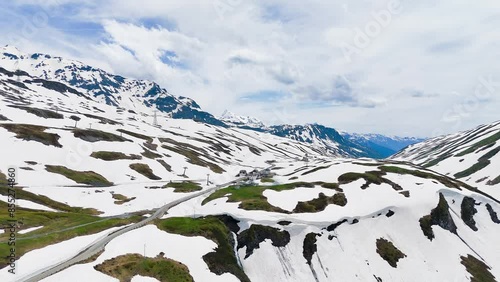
{"x":439,"y":216}
{"x":334,"y":226}
{"x":389,"y":213}
{"x":253,"y":236}
{"x":309,"y":247}
{"x":284,"y":222}
{"x":467,"y":212}
{"x":230,"y":222}
{"x":492,"y":213}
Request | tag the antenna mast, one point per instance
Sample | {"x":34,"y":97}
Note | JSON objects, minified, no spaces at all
{"x":155,"y":119}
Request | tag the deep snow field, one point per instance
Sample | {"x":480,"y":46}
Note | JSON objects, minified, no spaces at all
{"x":315,"y":218}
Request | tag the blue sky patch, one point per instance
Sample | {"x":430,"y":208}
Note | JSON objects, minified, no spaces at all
{"x":262,"y":96}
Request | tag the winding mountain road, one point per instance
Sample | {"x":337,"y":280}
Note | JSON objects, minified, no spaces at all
{"x":99,"y":245}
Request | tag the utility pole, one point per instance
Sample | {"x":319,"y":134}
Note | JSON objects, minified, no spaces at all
{"x":184,"y":174}
{"x":155,"y":119}
{"x":208,"y":179}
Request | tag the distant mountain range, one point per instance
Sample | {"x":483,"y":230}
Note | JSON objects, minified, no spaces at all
{"x":330,"y":140}
{"x":145,"y":97}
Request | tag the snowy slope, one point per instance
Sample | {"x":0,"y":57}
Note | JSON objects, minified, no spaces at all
{"x":200,"y":148}
{"x":138,"y":95}
{"x":351,"y":204}
{"x":347,"y":252}
{"x":471,"y":156}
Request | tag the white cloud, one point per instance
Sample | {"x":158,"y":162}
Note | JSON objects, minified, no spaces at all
{"x":400,"y":81}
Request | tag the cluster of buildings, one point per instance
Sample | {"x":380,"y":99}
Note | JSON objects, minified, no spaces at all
{"x":256,"y":174}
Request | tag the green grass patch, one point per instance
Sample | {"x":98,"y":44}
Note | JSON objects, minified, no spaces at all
{"x":436,"y":160}
{"x":194,"y":157}
{"x":113,"y":156}
{"x":389,"y":252}
{"x":136,"y":135}
{"x":490,"y":154}
{"x":3,"y":179}
{"x":165,"y":165}
{"x":35,"y":133}
{"x":103,"y":120}
{"x":251,"y":198}
{"x":479,"y":271}
{"x":482,"y":162}
{"x":92,"y":135}
{"x":184,"y":187}
{"x":125,"y":267}
{"x":267,"y":180}
{"x":494,"y":181}
{"x":82,"y":177}
{"x":353,"y":176}
{"x":485,"y":142}
{"x":40,"y":112}
{"x":473,"y":169}
{"x":222,"y":260}
{"x":193,"y":154}
{"x":150,"y":155}
{"x":320,"y":203}
{"x":121,"y":199}
{"x":145,"y":170}
{"x":371,"y":177}
{"x":45,"y":201}
{"x":315,"y":169}
{"x":450,"y":183}
{"x":57,"y":227}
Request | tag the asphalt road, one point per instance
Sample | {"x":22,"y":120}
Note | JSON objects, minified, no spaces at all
{"x":99,"y":245}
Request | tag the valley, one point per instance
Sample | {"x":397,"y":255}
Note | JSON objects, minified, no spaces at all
{"x":119,"y":180}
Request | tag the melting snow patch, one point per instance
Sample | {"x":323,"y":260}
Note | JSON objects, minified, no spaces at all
{"x":139,"y":278}
{"x":29,"y":230}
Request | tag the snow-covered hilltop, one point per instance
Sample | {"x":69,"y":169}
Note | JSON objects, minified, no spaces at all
{"x":232,"y":119}
{"x":99,"y":85}
{"x":471,"y":156}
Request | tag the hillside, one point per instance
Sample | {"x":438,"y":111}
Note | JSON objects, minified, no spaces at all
{"x":105,"y":194}
{"x":471,"y":156}
{"x":57,"y":73}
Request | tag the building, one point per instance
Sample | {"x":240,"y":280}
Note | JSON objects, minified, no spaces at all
{"x":242,"y":173}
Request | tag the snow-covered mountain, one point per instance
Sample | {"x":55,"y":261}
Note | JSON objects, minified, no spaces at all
{"x":471,"y":156}
{"x":328,"y":139}
{"x":168,"y":199}
{"x":97,"y":84}
{"x":145,"y":96}
{"x":234,"y":120}
{"x":385,"y":146}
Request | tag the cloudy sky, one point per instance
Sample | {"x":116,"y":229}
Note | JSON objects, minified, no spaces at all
{"x":413,"y":68}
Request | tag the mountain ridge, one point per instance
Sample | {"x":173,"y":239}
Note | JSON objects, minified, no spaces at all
{"x":147,"y":96}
